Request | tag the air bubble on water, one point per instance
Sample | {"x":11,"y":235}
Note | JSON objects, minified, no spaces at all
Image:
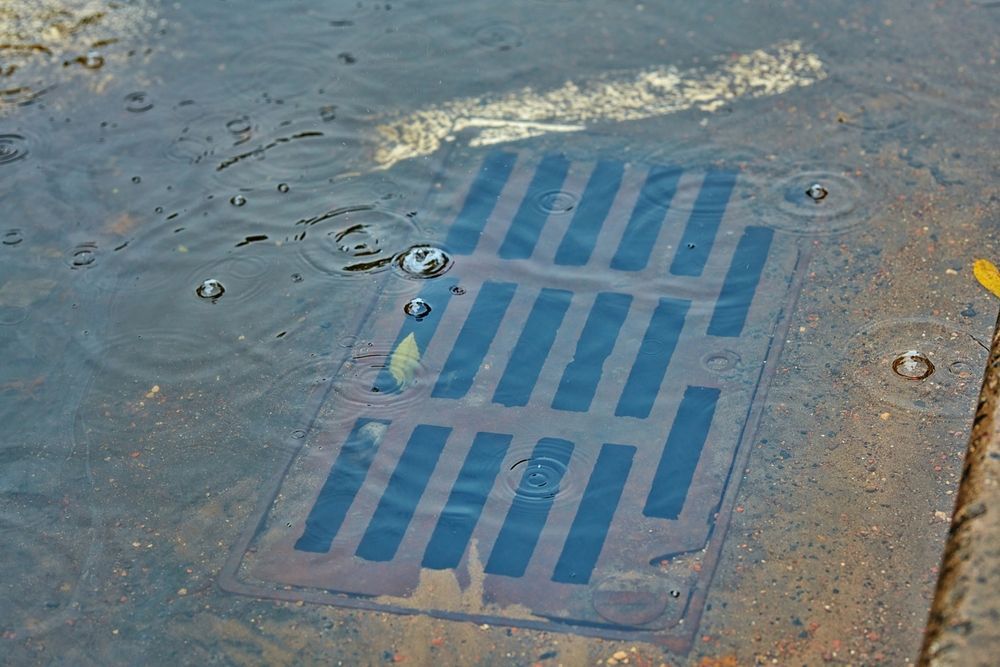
{"x":423,"y":261}
{"x":238,"y":200}
{"x":417,"y":308}
{"x":240,"y":125}
{"x":501,"y":36}
{"x":328,"y":112}
{"x":93,"y":60}
{"x":539,"y":478}
{"x":282,"y":187}
{"x":137,"y":102}
{"x":358,"y":241}
{"x":137,"y":179}
{"x":210,"y":289}
{"x":962,"y":369}
{"x":13,"y":147}
{"x":720,"y":361}
{"x":297,"y":278}
{"x":912,"y":365}
{"x":83,"y":256}
{"x":556,"y":201}
{"x":817,"y":192}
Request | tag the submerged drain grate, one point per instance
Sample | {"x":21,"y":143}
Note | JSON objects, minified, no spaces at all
{"x":577,"y":398}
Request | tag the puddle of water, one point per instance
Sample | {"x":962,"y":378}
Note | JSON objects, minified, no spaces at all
{"x":678,"y":343}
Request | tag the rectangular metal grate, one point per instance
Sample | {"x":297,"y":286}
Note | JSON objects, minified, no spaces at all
{"x":564,"y":452}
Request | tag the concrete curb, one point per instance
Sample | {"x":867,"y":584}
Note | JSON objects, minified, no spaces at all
{"x":964,"y":624}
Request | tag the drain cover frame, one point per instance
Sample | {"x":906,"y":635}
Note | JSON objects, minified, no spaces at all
{"x":567,"y":461}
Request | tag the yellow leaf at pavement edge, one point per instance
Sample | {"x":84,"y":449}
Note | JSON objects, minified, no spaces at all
{"x":987,"y":274}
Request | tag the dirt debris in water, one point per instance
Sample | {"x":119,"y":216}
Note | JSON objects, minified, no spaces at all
{"x":42,"y":42}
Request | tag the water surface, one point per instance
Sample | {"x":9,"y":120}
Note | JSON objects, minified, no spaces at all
{"x":216,"y":212}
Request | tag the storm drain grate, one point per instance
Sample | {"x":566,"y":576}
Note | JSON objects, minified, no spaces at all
{"x":553,"y":444}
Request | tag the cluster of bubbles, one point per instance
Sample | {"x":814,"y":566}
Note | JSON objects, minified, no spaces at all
{"x":359,"y":240}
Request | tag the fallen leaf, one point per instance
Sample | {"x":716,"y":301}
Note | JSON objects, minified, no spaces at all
{"x":404,"y":361}
{"x":987,"y":274}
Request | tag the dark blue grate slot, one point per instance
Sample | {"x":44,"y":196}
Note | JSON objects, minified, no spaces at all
{"x":593,"y":519}
{"x":465,"y":504}
{"x":527,"y":515}
{"x":532,"y":347}
{"x":582,"y":375}
{"x":738,"y":290}
{"x":474,"y":340}
{"x":463,"y":237}
{"x":522,"y":236}
{"x":703,"y":225}
{"x":654,"y":356}
{"x":342,"y":485}
{"x":643,"y":227}
{"x":581,"y":235}
{"x":681,"y":453}
{"x":406,"y":486}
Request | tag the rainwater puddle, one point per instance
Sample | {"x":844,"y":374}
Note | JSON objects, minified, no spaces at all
{"x":620,"y":322}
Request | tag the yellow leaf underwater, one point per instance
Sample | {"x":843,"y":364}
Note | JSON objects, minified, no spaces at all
{"x":987,"y":274}
{"x":404,"y":361}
